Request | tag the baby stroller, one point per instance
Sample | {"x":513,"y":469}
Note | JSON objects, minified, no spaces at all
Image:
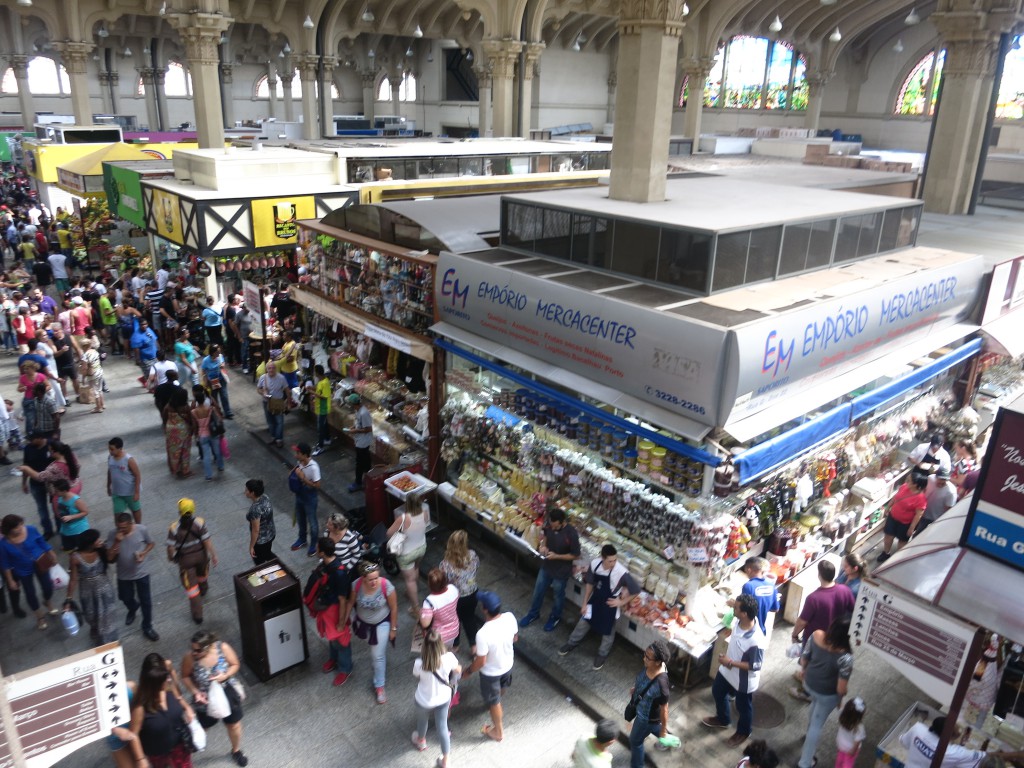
{"x":377,"y":551}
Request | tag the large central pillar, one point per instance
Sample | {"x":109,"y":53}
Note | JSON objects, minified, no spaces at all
{"x":160,"y":90}
{"x":483,"y":83}
{"x":502,"y":56}
{"x":308,"y":64}
{"x":75,"y":57}
{"x":816,"y":82}
{"x":326,"y":100}
{"x":19,"y":64}
{"x":149,"y":91}
{"x":648,"y":49}
{"x":696,"y":72}
{"x":200,"y":32}
{"x":368,"y":79}
{"x":286,"y":87}
{"x":395,"y":78}
{"x":227,"y":99}
{"x":531,"y":68}
{"x":968,"y":76}
{"x":271,"y":91}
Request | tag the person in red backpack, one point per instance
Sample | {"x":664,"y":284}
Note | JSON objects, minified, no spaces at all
{"x":332,"y":622}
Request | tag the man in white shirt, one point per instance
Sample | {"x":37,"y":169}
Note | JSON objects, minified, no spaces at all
{"x":58,"y":263}
{"x":494,"y":657}
{"x":162,"y":275}
{"x":922,"y":741}
{"x":941,"y":495}
{"x":928,"y":457}
{"x":158,"y":371}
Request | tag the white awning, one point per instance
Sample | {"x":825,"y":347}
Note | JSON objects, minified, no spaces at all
{"x":1006,"y":334}
{"x":816,"y":395}
{"x":661,"y":417}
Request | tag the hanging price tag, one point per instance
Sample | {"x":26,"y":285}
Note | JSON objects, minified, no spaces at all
{"x":626,"y":498}
{"x":558,"y":470}
{"x":697,"y":554}
{"x":606,"y":487}
{"x":669,"y":552}
{"x":574,"y":479}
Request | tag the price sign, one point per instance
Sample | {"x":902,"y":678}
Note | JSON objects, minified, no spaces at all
{"x":574,"y":480}
{"x":697,"y":554}
{"x":669,"y":552}
{"x":558,"y":470}
{"x":606,"y":487}
{"x":626,"y":498}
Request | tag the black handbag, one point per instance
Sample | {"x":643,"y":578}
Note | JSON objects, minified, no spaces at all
{"x":630,"y":712}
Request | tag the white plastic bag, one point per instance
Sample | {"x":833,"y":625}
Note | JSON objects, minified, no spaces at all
{"x":198,"y":734}
{"x":217,"y":705}
{"x":59,"y":577}
{"x":794,"y":651}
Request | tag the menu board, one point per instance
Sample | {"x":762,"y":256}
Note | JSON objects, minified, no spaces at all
{"x":926,"y":648}
{"x":60,"y":707}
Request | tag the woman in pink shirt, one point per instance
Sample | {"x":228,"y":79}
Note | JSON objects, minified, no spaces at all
{"x":438,"y":611}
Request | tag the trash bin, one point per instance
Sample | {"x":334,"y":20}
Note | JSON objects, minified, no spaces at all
{"x":270,"y":616}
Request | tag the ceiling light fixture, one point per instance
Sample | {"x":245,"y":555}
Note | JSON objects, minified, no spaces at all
{"x":223,"y":38}
{"x":1016,"y":44}
{"x":776,"y":25}
{"x":686,"y":10}
{"x":430,"y":53}
{"x":836,"y":35}
{"x":287,"y":48}
{"x":417,"y":32}
{"x":827,"y":2}
{"x":409,"y":52}
{"x":127,"y":51}
{"x":912,"y":18}
{"x":469,"y":55}
{"x":308,"y":23}
{"x":371,"y":54}
{"x":25,"y":3}
{"x":163,"y":9}
{"x":576,"y":44}
{"x":368,"y":16}
{"x":898,"y":48}
{"x":102,"y":32}
{"x":146,"y":49}
{"x":280,"y":54}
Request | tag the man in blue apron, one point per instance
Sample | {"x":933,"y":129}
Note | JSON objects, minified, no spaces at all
{"x":608,"y":587}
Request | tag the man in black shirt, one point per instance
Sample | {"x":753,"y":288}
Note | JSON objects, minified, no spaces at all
{"x":43,"y":273}
{"x":37,"y":456}
{"x":283,"y":305}
{"x":163,"y":393}
{"x":234,"y":340}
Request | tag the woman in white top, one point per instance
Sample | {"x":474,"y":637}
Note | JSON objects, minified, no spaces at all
{"x":413,"y":523}
{"x":436,"y":668}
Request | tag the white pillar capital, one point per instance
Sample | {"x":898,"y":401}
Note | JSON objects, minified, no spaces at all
{"x":75,"y":56}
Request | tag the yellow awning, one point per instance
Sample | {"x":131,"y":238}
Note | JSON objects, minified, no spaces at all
{"x":83,"y":176}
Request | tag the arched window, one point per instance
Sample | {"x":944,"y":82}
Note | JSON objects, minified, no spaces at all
{"x":8,"y":84}
{"x":177,"y":82}
{"x":45,"y":76}
{"x":1010,"y":104}
{"x":263,"y":90}
{"x":406,"y":91}
{"x":921,"y":87}
{"x":755,"y":73}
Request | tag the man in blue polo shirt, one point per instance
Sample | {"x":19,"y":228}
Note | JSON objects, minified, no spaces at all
{"x":762,"y":590}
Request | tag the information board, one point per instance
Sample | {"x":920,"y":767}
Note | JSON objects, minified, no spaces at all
{"x":63,"y":706}
{"x":926,"y":648}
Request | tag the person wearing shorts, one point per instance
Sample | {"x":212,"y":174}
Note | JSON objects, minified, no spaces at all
{"x":907,"y":508}
{"x":494,"y":658}
{"x":124,"y":480}
{"x":190,"y":547}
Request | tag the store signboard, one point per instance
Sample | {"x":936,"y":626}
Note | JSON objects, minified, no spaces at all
{"x":388,"y":338}
{"x":774,"y":358}
{"x":670,"y":361}
{"x":995,"y":523}
{"x":167,"y":215}
{"x":923,"y":645}
{"x":251,"y":298}
{"x":60,"y":707}
{"x":124,"y":193}
{"x":275,"y":219}
{"x":1006,"y":291}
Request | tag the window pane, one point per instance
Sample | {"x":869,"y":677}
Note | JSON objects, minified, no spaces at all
{"x":1010,"y":105}
{"x":555,"y":237}
{"x":9,"y":84}
{"x":795,"y":241}
{"x":912,"y":97}
{"x":846,"y":243}
{"x":635,"y":249}
{"x":471,"y":166}
{"x":384,"y":90}
{"x":800,"y":84}
{"x":820,"y":252}
{"x":364,"y":219}
{"x":582,"y":227}
{"x":176,"y":81}
{"x":730,"y":260}
{"x":778,"y":76}
{"x":683,"y":260}
{"x":870,"y":226}
{"x":713,"y":88}
{"x":521,"y":225}
{"x":890,"y":230}
{"x":446,"y":166}
{"x":744,"y":76}
{"x":763,"y":259}
{"x":908,"y":228}
{"x":42,"y":76}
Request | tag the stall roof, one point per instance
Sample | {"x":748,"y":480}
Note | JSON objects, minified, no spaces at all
{"x":92,"y":163}
{"x":721,"y":204}
{"x":144,"y":167}
{"x":450,"y":219}
{"x":412,"y":147}
{"x":280,"y":188}
{"x":937,"y":570}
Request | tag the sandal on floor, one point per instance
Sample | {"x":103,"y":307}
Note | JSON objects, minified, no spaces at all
{"x":41,"y":624}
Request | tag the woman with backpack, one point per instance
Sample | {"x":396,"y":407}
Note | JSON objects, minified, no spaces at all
{"x":435,"y":669}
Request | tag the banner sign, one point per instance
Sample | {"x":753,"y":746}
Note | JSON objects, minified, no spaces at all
{"x":664,"y":359}
{"x":923,"y":645}
{"x":1006,"y":291}
{"x":63,"y":706}
{"x":275,"y":220}
{"x":995,"y":523}
{"x":776,"y":356}
{"x":167,"y":214}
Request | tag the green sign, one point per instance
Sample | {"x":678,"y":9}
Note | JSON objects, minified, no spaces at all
{"x":5,"y":147}
{"x":124,"y":193}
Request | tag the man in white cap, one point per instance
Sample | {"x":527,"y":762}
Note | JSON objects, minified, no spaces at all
{"x":362,"y":436}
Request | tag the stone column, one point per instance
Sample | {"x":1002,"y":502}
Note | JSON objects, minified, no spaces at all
{"x":613,"y":78}
{"x":395,"y":77}
{"x":200,"y":32}
{"x":75,"y":57}
{"x":104,"y":78}
{"x":368,"y":79}
{"x":483,"y":82}
{"x":286,"y":79}
{"x":115,"y":96}
{"x":160,"y":90}
{"x":648,"y":51}
{"x":971,"y":38}
{"x":815,"y":93}
{"x":308,"y":64}
{"x":697,"y":71}
{"x":531,"y":68}
{"x":502,"y":56}
{"x":152,"y":116}
{"x":19,"y":64}
{"x":326,"y":101}
{"x":272,"y":90}
{"x":227,"y":97}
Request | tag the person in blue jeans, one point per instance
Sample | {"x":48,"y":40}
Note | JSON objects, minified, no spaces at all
{"x":650,"y":697}
{"x":332,"y":621}
{"x":559,"y":547}
{"x":739,"y":672}
{"x":37,"y":456}
{"x":216,"y":379}
{"x":304,"y":481}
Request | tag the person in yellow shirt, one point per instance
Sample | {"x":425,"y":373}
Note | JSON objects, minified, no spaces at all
{"x":288,"y":366}
{"x":322,"y":404}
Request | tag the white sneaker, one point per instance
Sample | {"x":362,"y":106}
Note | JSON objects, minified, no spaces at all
{"x":16,"y":472}
{"x":317,"y":451}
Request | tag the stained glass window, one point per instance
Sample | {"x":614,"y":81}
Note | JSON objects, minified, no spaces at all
{"x":921,"y":87}
{"x":1010,"y":105}
{"x":754,"y":73}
